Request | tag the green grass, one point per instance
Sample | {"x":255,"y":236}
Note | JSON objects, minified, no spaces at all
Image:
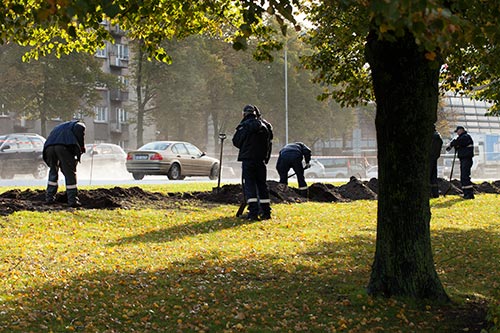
{"x":198,"y":269}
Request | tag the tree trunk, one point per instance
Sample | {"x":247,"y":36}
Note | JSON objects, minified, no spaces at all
{"x":406,"y":92}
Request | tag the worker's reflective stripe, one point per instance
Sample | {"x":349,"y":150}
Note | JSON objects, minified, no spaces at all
{"x":52,"y":183}
{"x":470,"y":146}
{"x":303,"y":188}
{"x":467,"y":186}
{"x":70,"y":187}
{"x":252,"y":200}
{"x":265,"y":200}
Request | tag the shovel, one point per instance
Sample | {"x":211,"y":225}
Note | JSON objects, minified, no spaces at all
{"x":222,"y":137}
{"x":451,"y":173}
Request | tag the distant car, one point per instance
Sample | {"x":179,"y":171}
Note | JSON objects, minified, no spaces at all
{"x":175,"y":159}
{"x":21,"y":153}
{"x":103,"y":155}
{"x":335,"y":167}
{"x":317,"y":170}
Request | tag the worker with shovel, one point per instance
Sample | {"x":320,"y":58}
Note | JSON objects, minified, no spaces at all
{"x":62,"y":151}
{"x":253,"y":138}
{"x":290,"y":157}
{"x":464,"y":146}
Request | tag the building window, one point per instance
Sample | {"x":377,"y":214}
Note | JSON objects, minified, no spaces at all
{"x":3,"y":111}
{"x":122,"y":51}
{"x":121,"y":115}
{"x":101,"y":114}
{"x":101,"y":53}
{"x":123,"y":80}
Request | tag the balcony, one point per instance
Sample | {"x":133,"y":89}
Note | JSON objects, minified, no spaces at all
{"x":116,"y":128}
{"x":118,"y":95}
{"x":115,"y":61}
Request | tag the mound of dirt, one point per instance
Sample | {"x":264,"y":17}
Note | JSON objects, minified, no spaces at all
{"x":136,"y":197}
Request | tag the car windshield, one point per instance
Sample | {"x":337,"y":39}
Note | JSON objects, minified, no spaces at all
{"x":155,"y":146}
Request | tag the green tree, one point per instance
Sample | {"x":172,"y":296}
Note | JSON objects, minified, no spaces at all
{"x":405,"y":43}
{"x":145,"y":77}
{"x":51,"y":87}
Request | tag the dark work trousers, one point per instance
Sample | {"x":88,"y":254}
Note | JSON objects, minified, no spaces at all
{"x":434,"y":179}
{"x":59,"y":157}
{"x":465,"y":167}
{"x":255,"y":187}
{"x":287,"y":162}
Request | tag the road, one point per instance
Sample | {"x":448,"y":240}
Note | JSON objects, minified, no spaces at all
{"x":118,"y":178}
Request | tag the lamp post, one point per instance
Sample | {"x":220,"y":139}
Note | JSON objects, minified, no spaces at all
{"x":286,"y":83}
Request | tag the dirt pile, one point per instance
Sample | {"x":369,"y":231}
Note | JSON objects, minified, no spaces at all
{"x":136,"y":197}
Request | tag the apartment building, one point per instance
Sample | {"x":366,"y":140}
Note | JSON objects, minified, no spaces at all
{"x":111,"y":122}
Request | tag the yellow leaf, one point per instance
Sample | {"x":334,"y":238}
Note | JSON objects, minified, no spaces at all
{"x":431,"y":56}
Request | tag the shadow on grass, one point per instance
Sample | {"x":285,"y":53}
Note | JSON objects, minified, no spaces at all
{"x":184,"y":230}
{"x":317,"y":290}
{"x":447,"y":203}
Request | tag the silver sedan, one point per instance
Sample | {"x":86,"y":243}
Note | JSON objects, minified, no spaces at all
{"x":175,"y":159}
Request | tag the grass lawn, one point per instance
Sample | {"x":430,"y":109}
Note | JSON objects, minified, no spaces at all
{"x":199,"y":269}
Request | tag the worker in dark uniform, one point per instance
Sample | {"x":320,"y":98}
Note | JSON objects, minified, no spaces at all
{"x":62,"y":151}
{"x":253,"y":138}
{"x":290,"y":157}
{"x":464,"y":146}
{"x":436,"y":145}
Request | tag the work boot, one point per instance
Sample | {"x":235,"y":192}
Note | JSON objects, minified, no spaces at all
{"x":73,"y":200}
{"x":468,"y":194}
{"x":50,"y":194}
{"x":251,"y":217}
{"x":265,"y":216}
{"x":253,"y":212}
{"x":75,"y":204}
{"x":265,"y":213}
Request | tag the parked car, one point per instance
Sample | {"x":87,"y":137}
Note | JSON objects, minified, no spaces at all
{"x":335,"y":167}
{"x":317,"y":170}
{"x":21,"y":153}
{"x":103,"y":155}
{"x":344,"y":166}
{"x":175,"y":159}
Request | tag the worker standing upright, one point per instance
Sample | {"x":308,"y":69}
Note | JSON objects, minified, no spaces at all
{"x":464,"y":146}
{"x":253,"y":138}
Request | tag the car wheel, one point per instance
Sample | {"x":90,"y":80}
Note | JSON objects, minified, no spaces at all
{"x":214,"y":172}
{"x":40,"y":170}
{"x":138,"y":176}
{"x":175,"y":172}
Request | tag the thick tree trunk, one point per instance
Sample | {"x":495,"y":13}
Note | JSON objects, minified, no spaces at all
{"x":406,"y":92}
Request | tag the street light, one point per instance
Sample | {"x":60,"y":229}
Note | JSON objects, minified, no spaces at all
{"x":286,"y":83}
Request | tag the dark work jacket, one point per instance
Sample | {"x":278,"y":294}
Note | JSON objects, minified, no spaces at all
{"x":296,"y":150}
{"x":437,"y":144}
{"x":464,"y":145}
{"x":253,"y":138}
{"x":70,"y":134}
